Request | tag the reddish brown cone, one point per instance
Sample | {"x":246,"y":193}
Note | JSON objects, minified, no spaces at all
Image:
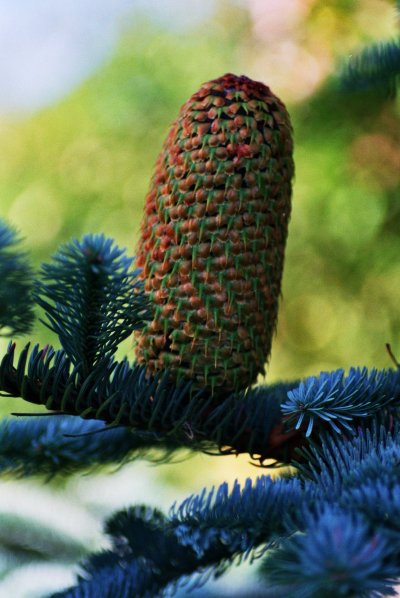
{"x":213,"y":235}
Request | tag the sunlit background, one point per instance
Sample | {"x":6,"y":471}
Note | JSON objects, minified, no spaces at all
{"x":88,"y":89}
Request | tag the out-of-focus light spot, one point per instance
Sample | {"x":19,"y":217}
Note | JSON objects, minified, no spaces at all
{"x":47,"y":47}
{"x":61,"y":512}
{"x":119,"y":224}
{"x":87,"y":166}
{"x":176,"y":13}
{"x":317,"y":367}
{"x":106,"y":493}
{"x":378,"y":158}
{"x":354,"y":215}
{"x":134,"y":191}
{"x":299,"y":73}
{"x":275,"y":19}
{"x":355,"y":323}
{"x":37,"y":214}
{"x":35,"y":580}
{"x":286,"y":60}
{"x":380,"y":294}
{"x":310,"y":321}
{"x":366,"y":18}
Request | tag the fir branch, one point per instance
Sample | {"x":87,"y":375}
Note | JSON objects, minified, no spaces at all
{"x":337,"y":461}
{"x":337,"y":400}
{"x":338,"y":555}
{"x":242,"y":518}
{"x":64,"y":445}
{"x":168,"y":549}
{"x":16,"y":313}
{"x":359,"y":474}
{"x":92,"y":299}
{"x":379,"y":503}
{"x":110,"y":578}
{"x":375,"y":68}
{"x":339,"y":550}
{"x":121,"y":394}
{"x":143,"y":559}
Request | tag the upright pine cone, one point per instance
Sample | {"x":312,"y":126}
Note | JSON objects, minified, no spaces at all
{"x":213,"y":235}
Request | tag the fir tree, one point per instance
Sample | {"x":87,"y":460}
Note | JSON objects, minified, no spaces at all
{"x":330,"y":528}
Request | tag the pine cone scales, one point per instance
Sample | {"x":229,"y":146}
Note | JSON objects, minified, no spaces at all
{"x":213,"y":235}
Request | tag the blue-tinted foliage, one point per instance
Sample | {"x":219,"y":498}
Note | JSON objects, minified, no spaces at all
{"x":241,"y":518}
{"x":123,"y":394}
{"x":337,"y":399}
{"x":16,"y":309}
{"x":340,"y":463}
{"x":331,"y":530}
{"x":92,"y":299}
{"x":321,"y":541}
{"x":112,"y":580}
{"x":375,"y":68}
{"x":63,"y":445}
{"x":361,"y":475}
{"x":167,"y":550}
{"x":337,"y":554}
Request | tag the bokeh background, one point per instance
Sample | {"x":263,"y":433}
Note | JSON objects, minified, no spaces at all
{"x":88,"y":89}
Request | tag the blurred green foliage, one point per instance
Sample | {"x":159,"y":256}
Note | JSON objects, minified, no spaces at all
{"x":84,"y":166}
{"x":342,"y":275}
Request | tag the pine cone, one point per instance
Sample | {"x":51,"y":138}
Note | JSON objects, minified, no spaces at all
{"x":213,"y":236}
